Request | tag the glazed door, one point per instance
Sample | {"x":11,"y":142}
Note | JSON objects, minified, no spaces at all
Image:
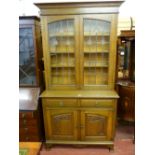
{"x":97,"y":51}
{"x":27,"y":65}
{"x":96,"y":125}
{"x":61,"y":124}
{"x":61,"y":46}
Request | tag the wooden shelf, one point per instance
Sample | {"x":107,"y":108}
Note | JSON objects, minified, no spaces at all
{"x":71,"y":74}
{"x":62,"y":35}
{"x":94,"y":52}
{"x":62,"y":66}
{"x":61,"y":52}
{"x":92,"y":74}
{"x":98,"y":34}
{"x":95,"y":66}
{"x":96,"y":43}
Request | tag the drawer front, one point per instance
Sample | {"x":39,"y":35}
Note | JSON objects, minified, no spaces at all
{"x":27,"y":138}
{"x":60,"y":102}
{"x":27,"y":122}
{"x":26,"y":115}
{"x":107,"y":103}
{"x":28,"y":130}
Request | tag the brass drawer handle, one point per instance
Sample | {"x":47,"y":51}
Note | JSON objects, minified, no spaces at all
{"x":24,"y":122}
{"x":23,"y":115}
{"x":61,"y":103}
{"x":96,"y":104}
{"x":26,"y":129}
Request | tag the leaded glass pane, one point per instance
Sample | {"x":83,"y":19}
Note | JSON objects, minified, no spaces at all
{"x":27,"y":73}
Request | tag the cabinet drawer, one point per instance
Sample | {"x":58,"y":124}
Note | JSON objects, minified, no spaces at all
{"x":27,"y":138}
{"x":26,"y":115}
{"x":60,"y":103}
{"x":27,"y":122}
{"x":97,"y":103}
{"x":28,"y":130}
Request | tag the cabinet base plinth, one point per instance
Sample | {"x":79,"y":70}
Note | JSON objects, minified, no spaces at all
{"x":109,"y":144}
{"x":48,"y":146}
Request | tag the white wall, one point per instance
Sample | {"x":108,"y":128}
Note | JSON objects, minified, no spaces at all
{"x":126,"y":11}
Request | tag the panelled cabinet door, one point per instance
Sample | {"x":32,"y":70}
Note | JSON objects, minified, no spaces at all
{"x":62,"y":52}
{"x":61,"y":124}
{"x":96,"y":50}
{"x":96,"y":125}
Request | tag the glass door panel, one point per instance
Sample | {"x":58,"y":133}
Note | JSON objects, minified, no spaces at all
{"x":27,"y":72}
{"x":62,"y":52}
{"x":96,"y":46}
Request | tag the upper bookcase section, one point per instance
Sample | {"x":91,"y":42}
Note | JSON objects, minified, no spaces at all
{"x":96,"y":7}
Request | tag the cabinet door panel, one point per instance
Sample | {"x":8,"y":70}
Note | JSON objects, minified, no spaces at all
{"x":96,"y":125}
{"x":61,"y":124}
{"x":61,"y":55}
{"x":97,"y":50}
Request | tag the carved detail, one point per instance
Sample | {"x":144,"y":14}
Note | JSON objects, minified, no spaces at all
{"x":62,"y":117}
{"x":61,"y":124}
{"x":96,"y":118}
{"x":99,"y":122}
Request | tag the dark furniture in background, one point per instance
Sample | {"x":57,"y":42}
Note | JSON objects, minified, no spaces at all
{"x":126,"y":102}
{"x":126,"y":76}
{"x":31,"y":82}
{"x":30,"y":52}
{"x":30,"y":115}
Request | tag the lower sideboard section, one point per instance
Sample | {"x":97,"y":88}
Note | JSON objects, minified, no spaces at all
{"x":79,"y":120}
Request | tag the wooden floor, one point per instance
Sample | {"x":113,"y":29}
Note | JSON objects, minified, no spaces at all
{"x":33,"y":147}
